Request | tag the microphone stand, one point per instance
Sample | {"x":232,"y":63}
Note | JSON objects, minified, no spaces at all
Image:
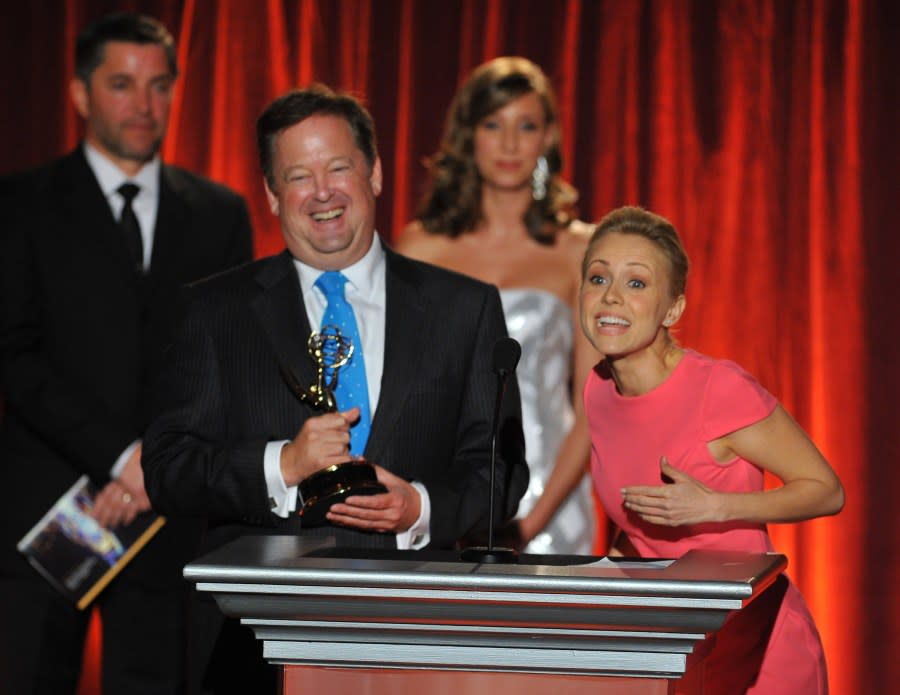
{"x":506,"y":356}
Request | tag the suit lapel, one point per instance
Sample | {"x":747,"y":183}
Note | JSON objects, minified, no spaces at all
{"x":405,"y":319}
{"x":84,"y":206}
{"x":172,"y":220}
{"x":282,"y":316}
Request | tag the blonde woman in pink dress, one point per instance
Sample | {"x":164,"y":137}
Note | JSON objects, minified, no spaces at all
{"x":680,"y":441}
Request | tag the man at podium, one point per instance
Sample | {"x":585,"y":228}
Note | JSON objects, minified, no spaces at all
{"x":246,"y":432}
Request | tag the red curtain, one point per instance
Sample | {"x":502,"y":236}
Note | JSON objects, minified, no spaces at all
{"x":764,"y":130}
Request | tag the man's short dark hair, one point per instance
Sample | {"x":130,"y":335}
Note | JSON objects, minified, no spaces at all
{"x":316,"y":100}
{"x":90,"y":47}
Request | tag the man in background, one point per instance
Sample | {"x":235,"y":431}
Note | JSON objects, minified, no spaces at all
{"x":232,"y":442}
{"x":94,"y":249}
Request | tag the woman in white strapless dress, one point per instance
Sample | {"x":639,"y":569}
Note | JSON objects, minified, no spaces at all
{"x":542,"y":323}
{"x":497,"y":210}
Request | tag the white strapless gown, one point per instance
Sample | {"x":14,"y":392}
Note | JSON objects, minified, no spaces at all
{"x":542,"y":323}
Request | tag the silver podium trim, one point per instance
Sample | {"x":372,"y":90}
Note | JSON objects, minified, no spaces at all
{"x":415,"y":612}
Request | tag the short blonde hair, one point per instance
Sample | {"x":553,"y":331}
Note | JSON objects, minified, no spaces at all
{"x":655,"y":228}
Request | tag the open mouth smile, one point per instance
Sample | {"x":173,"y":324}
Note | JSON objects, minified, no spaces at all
{"x":327,"y":215}
{"x":612,"y":321}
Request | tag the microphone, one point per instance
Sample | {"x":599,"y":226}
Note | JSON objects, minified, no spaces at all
{"x":507,"y":352}
{"x":506,"y":356}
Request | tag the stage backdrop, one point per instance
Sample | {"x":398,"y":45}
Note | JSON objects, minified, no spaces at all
{"x":765,"y":130}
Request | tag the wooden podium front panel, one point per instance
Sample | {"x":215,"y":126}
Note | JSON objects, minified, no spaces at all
{"x":302,"y":680}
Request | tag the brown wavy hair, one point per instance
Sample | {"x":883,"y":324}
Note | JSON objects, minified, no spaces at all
{"x":452,"y":204}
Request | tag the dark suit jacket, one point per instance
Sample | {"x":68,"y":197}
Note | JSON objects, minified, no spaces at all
{"x":223,"y":399}
{"x":81,"y":337}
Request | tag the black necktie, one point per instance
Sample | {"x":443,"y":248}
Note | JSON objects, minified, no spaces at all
{"x":131,"y":228}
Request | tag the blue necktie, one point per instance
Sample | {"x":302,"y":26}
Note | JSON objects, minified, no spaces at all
{"x":352,"y":389}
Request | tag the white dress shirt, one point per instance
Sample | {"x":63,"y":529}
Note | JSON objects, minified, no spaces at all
{"x":145,"y":203}
{"x":365,"y":292}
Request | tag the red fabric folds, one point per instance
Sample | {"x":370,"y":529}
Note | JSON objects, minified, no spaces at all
{"x":764,"y":130}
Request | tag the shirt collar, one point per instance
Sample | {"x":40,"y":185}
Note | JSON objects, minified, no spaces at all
{"x":362,"y":275}
{"x":110,"y":177}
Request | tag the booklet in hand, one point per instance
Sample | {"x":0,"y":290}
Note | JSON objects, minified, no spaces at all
{"x":75,"y":553}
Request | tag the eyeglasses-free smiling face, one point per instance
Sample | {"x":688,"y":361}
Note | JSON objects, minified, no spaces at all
{"x":324,"y":192}
{"x":626,"y":297}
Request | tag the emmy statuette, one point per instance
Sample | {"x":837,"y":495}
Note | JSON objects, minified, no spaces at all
{"x":329,"y":350}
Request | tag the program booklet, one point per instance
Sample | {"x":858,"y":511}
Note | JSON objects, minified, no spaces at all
{"x":75,"y":553}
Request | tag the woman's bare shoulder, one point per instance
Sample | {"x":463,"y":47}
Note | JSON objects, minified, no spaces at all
{"x":413,"y":238}
{"x":575,"y":237}
{"x":580,"y":230}
{"x":417,"y":242}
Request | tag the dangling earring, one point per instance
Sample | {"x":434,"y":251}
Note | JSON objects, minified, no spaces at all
{"x":539,"y":178}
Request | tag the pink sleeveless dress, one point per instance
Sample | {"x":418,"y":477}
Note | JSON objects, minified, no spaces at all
{"x":703,"y":399}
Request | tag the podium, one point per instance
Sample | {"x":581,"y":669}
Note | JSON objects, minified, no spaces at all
{"x":370,"y":621}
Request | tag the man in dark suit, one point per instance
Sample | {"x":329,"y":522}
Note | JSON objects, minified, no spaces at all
{"x":232,"y":441}
{"x":90,"y":272}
